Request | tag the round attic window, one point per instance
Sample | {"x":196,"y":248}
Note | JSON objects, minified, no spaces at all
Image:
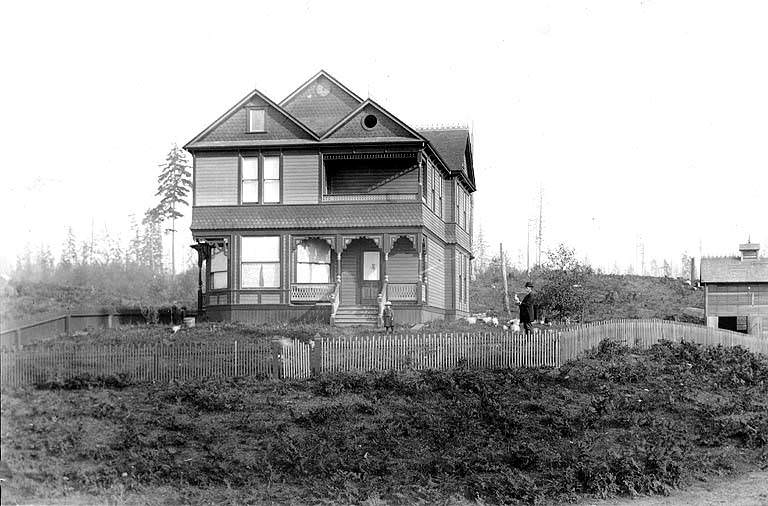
{"x":370,"y":121}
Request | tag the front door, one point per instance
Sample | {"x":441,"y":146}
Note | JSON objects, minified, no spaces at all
{"x":370,"y":276}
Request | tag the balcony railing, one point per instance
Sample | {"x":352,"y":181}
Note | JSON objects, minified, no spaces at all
{"x":312,"y":292}
{"x":372,"y":197}
{"x":401,"y":292}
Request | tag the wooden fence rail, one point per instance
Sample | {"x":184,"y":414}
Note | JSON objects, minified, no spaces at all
{"x":293,"y":359}
{"x":66,"y":325}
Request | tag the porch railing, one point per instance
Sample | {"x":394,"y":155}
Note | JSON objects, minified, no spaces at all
{"x":312,"y":292}
{"x":372,"y":197}
{"x":401,"y":292}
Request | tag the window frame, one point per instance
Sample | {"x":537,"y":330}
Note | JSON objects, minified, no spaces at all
{"x":260,"y":156}
{"x":248,"y":125}
{"x":329,"y":263}
{"x":223,"y":244}
{"x":250,"y":262}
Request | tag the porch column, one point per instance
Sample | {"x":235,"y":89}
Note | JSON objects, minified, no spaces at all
{"x":419,"y":269}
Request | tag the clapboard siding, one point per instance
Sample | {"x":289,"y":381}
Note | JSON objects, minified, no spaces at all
{"x":433,"y":223}
{"x":406,"y":183}
{"x":300,"y":178}
{"x":403,"y":267}
{"x":436,"y":274}
{"x":462,"y":238}
{"x":215,"y":181}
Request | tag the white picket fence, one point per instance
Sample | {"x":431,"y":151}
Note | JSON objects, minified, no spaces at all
{"x":294,"y":359}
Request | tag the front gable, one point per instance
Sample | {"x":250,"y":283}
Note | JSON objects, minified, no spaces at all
{"x":321,"y":103}
{"x":232,"y":127}
{"x":371,"y":121}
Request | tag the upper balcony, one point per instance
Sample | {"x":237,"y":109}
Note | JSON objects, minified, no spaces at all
{"x":370,"y":177}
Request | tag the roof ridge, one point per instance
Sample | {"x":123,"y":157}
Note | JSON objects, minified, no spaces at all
{"x":456,"y":126}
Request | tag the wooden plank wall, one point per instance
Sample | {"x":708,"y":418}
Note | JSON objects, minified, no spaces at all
{"x":216,"y":181}
{"x":436,"y":275}
{"x":300,"y":178}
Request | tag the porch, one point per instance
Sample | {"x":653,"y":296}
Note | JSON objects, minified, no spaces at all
{"x":364,"y":268}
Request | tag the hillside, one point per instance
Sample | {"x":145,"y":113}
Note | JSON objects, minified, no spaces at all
{"x":617,"y":423}
{"x":608,"y":296}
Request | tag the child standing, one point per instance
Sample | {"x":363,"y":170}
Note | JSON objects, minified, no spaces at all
{"x":389,"y":318}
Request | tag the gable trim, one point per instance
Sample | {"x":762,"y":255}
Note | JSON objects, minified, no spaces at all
{"x":327,"y":76}
{"x":241,"y":103}
{"x":386,"y":113}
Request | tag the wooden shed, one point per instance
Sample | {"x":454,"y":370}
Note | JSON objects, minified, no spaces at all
{"x":736,"y":291}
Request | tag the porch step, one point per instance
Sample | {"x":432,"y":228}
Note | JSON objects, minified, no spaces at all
{"x":348,"y":316}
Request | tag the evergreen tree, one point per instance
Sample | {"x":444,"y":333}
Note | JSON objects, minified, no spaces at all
{"x":133,"y":254}
{"x":69,"y":251}
{"x":174,"y":183}
{"x":480,"y":248}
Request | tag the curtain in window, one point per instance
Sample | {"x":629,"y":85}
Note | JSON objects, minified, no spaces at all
{"x":313,"y":262}
{"x":260,"y":266}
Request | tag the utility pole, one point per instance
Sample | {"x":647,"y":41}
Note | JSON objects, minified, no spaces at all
{"x":538,"y":237}
{"x":504,"y":280}
{"x":528,"y":252}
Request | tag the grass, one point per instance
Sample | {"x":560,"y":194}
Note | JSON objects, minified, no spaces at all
{"x":618,"y":422}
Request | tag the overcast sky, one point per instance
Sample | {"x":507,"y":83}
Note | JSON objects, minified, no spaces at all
{"x":640,"y":121}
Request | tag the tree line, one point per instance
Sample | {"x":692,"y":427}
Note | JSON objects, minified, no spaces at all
{"x":104,"y":270}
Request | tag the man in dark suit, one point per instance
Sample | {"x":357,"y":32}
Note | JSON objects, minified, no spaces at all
{"x":527,"y":310}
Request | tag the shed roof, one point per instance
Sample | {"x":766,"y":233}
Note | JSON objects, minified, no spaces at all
{"x":734,"y":270}
{"x":307,"y":216}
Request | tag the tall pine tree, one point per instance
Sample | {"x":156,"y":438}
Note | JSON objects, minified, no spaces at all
{"x":174,"y":183}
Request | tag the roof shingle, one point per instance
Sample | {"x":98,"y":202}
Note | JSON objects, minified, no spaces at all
{"x":403,"y":214}
{"x":733,"y":270}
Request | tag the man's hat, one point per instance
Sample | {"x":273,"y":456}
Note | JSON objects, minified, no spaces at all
{"x":528,"y":284}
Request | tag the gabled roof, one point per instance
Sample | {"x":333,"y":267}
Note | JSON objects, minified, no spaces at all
{"x":235,"y":108}
{"x":321,"y":102}
{"x":733,"y":270}
{"x":454,"y":147}
{"x":370,"y":104}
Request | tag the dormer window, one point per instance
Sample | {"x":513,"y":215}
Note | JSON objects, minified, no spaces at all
{"x":256,"y":120}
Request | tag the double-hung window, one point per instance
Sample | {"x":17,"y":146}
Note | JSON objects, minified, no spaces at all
{"x":260,"y":262}
{"x":260,"y":179}
{"x":271,"y":179}
{"x":313,"y":262}
{"x":251,"y":180}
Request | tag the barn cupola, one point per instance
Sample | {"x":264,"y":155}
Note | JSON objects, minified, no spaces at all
{"x":749,"y":251}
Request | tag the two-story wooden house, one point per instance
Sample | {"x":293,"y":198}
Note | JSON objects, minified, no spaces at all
{"x":325,"y":206}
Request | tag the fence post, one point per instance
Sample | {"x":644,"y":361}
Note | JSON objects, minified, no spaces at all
{"x":17,"y":335}
{"x":109,"y":321}
{"x":235,"y":358}
{"x":68,"y":325}
{"x":315,"y":351}
{"x":277,"y":359}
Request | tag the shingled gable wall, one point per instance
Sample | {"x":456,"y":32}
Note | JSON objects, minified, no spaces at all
{"x":320,"y":112}
{"x":234,"y":128}
{"x":386,"y":127}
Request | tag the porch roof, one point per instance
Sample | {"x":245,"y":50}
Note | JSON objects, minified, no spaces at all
{"x":327,"y":216}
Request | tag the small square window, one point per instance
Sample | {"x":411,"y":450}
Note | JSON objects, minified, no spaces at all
{"x":256,"y":120}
